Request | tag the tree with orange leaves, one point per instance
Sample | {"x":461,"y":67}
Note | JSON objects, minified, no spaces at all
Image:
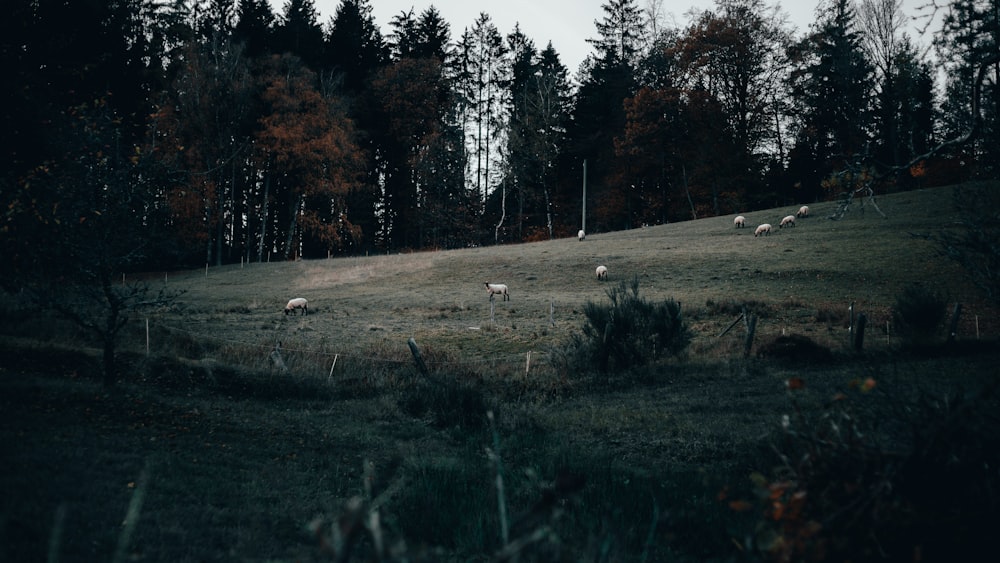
{"x":311,"y":162}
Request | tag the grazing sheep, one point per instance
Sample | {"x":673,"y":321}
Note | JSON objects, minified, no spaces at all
{"x":740,"y":221}
{"x":297,"y":303}
{"x":788,"y":221}
{"x":602,"y":272}
{"x":495,"y":288}
{"x":581,"y":235}
{"x":803,"y":211}
{"x":762,"y":230}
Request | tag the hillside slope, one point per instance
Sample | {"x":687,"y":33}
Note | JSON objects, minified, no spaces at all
{"x":798,"y":275}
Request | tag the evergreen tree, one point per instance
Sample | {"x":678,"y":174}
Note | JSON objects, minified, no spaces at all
{"x":218,"y":18}
{"x":354,"y":46}
{"x":300,"y":33}
{"x":482,"y":85}
{"x":356,"y":51}
{"x":970,"y":37}
{"x":433,"y":35}
{"x":831,"y":85}
{"x":254,"y":27}
{"x":415,"y":135}
{"x":61,"y":54}
{"x":540,"y":96}
{"x":426,"y":36}
{"x":916,"y":105}
{"x":621,"y":33}
{"x":607,"y":78}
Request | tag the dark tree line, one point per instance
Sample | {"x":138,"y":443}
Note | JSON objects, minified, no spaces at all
{"x":216,"y":131}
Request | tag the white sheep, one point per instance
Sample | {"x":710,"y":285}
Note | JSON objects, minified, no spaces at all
{"x":497,"y":288}
{"x":297,"y":303}
{"x":762,"y":230}
{"x":803,"y":211}
{"x":602,"y":272}
{"x":788,"y":221}
{"x":581,"y":235}
{"x":740,"y":221}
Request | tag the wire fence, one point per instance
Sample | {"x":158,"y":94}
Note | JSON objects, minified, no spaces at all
{"x":527,"y":359}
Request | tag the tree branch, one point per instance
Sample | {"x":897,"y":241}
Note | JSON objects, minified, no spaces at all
{"x":867,"y":188}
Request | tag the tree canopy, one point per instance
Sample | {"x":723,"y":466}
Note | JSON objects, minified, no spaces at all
{"x":274,"y":135}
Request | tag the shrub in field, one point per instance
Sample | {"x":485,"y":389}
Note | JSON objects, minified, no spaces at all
{"x":630,"y":331}
{"x":921,"y":482}
{"x":796,"y":348}
{"x":918,"y":313}
{"x":447,"y":402}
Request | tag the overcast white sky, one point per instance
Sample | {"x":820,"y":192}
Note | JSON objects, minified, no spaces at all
{"x":566,"y":23}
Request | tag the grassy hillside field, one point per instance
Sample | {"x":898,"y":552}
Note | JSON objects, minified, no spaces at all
{"x":378,"y":302}
{"x":208,"y":451}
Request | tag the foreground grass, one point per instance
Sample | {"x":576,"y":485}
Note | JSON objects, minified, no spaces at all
{"x":241,"y":478}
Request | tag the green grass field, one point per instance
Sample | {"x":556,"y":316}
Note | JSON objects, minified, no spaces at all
{"x":208,"y":451}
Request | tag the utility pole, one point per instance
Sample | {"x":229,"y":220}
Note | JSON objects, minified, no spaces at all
{"x":583,"y":222}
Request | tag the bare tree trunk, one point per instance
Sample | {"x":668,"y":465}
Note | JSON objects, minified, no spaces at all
{"x":263,"y":219}
{"x":220,"y":226}
{"x":290,"y":236}
{"x":109,"y":334}
{"x":687,"y":191}
{"x":548,"y":211}
{"x":503,"y":212}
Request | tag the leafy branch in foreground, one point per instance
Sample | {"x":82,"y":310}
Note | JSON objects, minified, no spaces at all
{"x":919,"y":483}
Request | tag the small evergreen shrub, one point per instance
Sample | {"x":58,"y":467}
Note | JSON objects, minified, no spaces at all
{"x":630,"y":332}
{"x":918,"y":313}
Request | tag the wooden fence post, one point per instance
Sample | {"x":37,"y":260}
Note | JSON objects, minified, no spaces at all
{"x":850,"y":328}
{"x":859,"y":334}
{"x":277,"y":360}
{"x":329,"y":377}
{"x":416,"y":355}
{"x":751,"y":320}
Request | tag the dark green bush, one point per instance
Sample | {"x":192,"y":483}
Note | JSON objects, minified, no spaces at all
{"x":631,"y":332}
{"x":918,"y":313}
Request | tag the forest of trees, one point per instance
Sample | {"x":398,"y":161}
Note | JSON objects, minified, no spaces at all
{"x":148,"y":135}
